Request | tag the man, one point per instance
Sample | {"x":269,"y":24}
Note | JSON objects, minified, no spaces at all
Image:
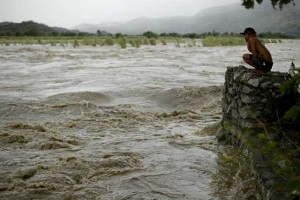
{"x":260,"y":58}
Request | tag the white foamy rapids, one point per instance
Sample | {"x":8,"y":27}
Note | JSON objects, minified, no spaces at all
{"x":68,"y":147}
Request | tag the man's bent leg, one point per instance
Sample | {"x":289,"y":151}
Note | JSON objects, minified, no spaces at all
{"x":248,"y":59}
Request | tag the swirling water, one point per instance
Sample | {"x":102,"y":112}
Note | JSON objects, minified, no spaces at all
{"x":112,"y":123}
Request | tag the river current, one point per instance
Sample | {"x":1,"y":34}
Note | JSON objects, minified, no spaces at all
{"x":112,"y":123}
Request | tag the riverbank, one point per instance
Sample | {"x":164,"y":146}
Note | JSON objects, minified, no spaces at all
{"x":253,"y":110}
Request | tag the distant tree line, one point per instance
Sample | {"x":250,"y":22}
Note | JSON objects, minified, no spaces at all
{"x":275,"y":35}
{"x":270,"y":35}
{"x":150,"y":34}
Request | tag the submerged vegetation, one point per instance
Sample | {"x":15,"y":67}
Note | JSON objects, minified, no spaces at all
{"x":34,"y":33}
{"x":209,"y":40}
{"x":223,"y":41}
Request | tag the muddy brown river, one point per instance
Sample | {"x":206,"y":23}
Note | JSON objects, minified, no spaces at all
{"x":112,"y":123}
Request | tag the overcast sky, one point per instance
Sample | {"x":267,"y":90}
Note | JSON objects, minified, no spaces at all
{"x":69,"y":13}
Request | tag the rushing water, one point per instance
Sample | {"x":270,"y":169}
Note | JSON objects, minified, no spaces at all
{"x":112,"y":123}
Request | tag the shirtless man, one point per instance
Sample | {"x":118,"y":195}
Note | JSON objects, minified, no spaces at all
{"x":260,"y":58}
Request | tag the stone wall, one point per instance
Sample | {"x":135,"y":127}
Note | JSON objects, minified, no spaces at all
{"x":251,"y":99}
{"x":252,"y":104}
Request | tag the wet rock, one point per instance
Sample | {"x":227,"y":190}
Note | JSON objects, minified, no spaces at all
{"x":258,"y":105}
{"x":258,"y":93}
{"x":246,"y":90}
{"x":246,"y":99}
{"x":282,"y":164}
{"x":254,"y":82}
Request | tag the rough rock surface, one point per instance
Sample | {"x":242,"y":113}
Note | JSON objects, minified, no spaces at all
{"x":251,"y":99}
{"x":252,"y":106}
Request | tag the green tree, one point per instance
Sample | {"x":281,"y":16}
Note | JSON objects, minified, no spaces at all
{"x":250,"y":3}
{"x":150,"y":34}
{"x":102,"y":33}
{"x":119,"y":35}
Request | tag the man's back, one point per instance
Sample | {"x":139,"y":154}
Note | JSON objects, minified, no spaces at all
{"x":262,"y":52}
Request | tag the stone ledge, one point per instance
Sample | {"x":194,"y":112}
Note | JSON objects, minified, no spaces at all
{"x":252,"y":106}
{"x":250,"y":98}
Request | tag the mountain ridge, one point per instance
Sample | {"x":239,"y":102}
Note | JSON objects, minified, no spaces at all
{"x":31,"y":28}
{"x":231,"y":18}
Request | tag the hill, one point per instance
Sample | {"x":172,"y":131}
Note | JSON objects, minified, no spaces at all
{"x":233,"y":18}
{"x":30,"y":28}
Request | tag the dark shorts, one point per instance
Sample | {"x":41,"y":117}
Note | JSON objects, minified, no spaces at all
{"x":260,"y":64}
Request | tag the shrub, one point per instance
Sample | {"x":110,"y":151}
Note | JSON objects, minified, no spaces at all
{"x":75,"y":43}
{"x":135,"y":43}
{"x":122,"y":42}
{"x":163,"y":42}
{"x":145,"y":41}
{"x":109,"y":41}
{"x":191,"y":43}
{"x":90,"y":41}
{"x":211,"y":41}
{"x":152,"y":41}
{"x":53,"y":43}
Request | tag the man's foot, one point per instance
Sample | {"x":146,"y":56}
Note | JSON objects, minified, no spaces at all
{"x":269,"y":69}
{"x":260,"y":72}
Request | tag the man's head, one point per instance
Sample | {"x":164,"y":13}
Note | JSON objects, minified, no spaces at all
{"x":248,"y":32}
